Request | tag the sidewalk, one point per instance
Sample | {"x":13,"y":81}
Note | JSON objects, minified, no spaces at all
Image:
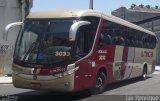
{"x":5,"y":80}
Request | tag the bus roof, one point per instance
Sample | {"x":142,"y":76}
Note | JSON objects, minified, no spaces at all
{"x":80,"y":13}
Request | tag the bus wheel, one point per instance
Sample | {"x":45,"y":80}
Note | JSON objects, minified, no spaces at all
{"x":100,"y":83}
{"x":144,"y":75}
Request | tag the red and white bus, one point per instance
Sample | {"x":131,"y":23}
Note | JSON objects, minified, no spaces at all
{"x":74,"y":50}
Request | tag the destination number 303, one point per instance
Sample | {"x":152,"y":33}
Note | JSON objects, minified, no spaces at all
{"x":61,"y":53}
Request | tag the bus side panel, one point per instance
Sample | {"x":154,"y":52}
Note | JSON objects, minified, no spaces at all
{"x":154,"y":60}
{"x":142,"y":57}
{"x":85,"y":76}
{"x":110,"y":63}
{"x":125,"y":64}
{"x":104,"y":58}
{"x":130,"y":61}
{"x":137,"y":64}
{"x":117,"y":62}
{"x":149,"y":57}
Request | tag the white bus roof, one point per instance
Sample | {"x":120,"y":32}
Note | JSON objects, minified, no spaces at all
{"x":79,"y":13}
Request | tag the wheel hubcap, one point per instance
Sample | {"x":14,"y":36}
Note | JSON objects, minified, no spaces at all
{"x":99,"y":82}
{"x":144,"y":75}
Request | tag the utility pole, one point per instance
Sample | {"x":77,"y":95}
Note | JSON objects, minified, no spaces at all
{"x":91,"y":4}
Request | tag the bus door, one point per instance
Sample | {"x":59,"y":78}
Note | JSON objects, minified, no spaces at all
{"x":105,"y":55}
{"x":83,"y":47}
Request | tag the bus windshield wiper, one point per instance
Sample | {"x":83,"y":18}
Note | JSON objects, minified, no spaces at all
{"x":34,"y":44}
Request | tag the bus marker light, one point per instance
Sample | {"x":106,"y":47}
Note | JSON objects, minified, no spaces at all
{"x":93,"y":64}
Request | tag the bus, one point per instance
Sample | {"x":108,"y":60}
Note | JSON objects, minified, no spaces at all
{"x":75,"y":50}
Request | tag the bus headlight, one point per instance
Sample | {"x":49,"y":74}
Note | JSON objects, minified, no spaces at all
{"x":68,"y":72}
{"x":71,"y":69}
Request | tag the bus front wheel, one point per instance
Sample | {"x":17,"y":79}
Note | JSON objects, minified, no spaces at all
{"x":100,"y":83}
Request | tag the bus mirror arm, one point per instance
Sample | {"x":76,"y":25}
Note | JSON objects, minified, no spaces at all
{"x":74,"y":28}
{"x":8,"y":27}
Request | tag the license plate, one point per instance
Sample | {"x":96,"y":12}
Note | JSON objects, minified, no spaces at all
{"x":35,"y":85}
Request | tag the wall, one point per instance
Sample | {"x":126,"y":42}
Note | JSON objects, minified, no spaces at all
{"x":10,"y":11}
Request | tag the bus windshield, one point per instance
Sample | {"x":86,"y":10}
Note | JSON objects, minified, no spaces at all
{"x":44,"y":42}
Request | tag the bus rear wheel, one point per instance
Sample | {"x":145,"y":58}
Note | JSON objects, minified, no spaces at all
{"x":144,"y":75}
{"x":100,"y":83}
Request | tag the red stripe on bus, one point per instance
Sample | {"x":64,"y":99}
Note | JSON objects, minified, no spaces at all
{"x":124,"y":59}
{"x":125,"y":54}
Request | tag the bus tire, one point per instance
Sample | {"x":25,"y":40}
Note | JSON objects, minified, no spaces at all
{"x":100,"y":83}
{"x":144,"y":75}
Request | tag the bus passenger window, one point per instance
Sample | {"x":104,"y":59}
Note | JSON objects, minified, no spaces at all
{"x":118,"y":40}
{"x":114,"y":40}
{"x":109,"y":38}
{"x":104,"y":40}
{"x":121,"y":41}
{"x":153,"y":41}
{"x":127,"y":42}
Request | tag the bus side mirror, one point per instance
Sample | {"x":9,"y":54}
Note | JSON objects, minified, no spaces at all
{"x":8,"y":27}
{"x":74,"y":28}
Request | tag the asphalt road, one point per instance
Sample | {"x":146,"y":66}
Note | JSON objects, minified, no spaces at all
{"x":129,"y":88}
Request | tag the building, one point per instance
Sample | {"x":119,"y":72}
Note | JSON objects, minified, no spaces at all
{"x":145,"y":16}
{"x":10,"y":11}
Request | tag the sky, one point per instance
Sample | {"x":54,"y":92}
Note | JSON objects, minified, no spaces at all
{"x":105,"y":6}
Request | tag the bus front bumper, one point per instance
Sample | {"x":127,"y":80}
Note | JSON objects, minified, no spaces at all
{"x":65,"y":83}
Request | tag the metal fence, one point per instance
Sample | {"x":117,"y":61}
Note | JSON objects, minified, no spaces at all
{"x":6,"y":57}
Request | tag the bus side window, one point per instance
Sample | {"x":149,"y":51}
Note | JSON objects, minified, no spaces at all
{"x":145,"y":41}
{"x":120,"y":41}
{"x":127,"y":42}
{"x":131,"y":41}
{"x":104,"y":40}
{"x":108,"y":39}
{"x":140,"y":43}
{"x":114,"y":40}
{"x":154,"y":42}
{"x":106,"y":33}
